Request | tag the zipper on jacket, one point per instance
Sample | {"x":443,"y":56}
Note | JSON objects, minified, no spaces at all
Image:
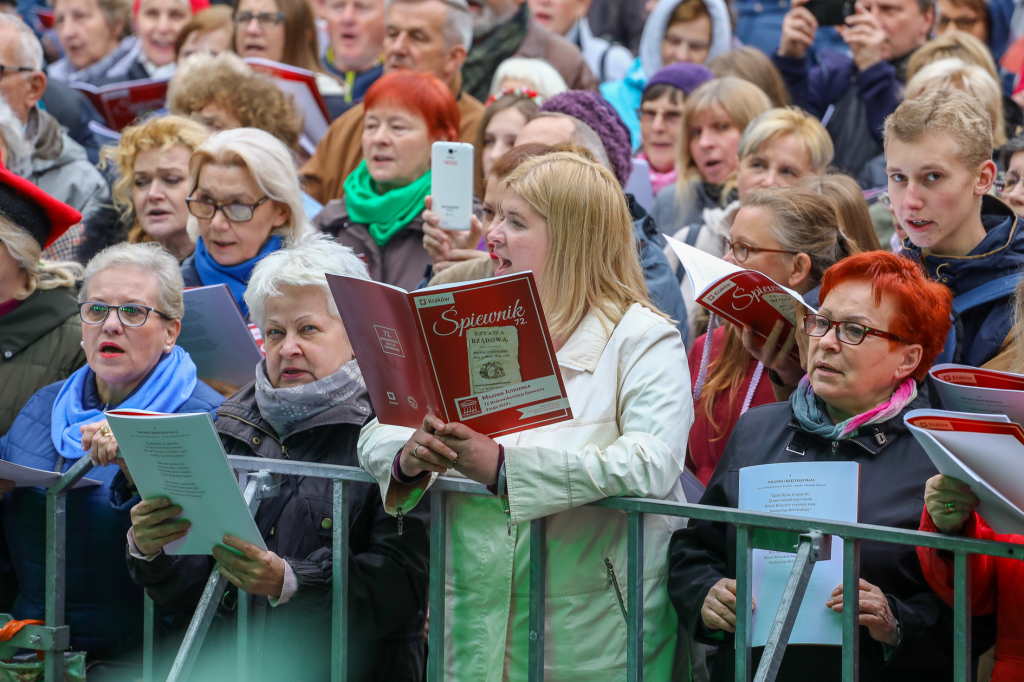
{"x":835,"y":450}
{"x":615,"y":585}
{"x":399,"y":515}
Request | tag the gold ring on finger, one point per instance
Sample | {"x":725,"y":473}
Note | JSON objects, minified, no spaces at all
{"x":105,"y":431}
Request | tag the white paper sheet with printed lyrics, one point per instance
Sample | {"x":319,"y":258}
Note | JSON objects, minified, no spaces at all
{"x":27,"y":477}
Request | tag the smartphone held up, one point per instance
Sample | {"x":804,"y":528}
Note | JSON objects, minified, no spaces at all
{"x":451,"y":184}
{"x":831,"y":12}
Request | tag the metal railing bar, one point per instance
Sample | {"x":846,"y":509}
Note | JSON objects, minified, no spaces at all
{"x":635,"y":597}
{"x":808,"y":552}
{"x":744,"y":610}
{"x":438,"y":556}
{"x":538,"y":594}
{"x":148,"y":637}
{"x":339,"y":583}
{"x":961,"y":617}
{"x":851,"y":610}
{"x":243,"y":632}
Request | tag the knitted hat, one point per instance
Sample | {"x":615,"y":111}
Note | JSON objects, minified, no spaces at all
{"x":597,"y":113}
{"x":687,"y":77}
{"x":33,"y":210}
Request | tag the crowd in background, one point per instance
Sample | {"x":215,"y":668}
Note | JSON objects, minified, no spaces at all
{"x":874,"y":167}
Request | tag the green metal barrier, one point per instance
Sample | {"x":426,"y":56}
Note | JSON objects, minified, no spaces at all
{"x":808,"y":539}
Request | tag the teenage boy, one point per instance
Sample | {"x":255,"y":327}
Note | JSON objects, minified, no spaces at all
{"x":938,"y":154}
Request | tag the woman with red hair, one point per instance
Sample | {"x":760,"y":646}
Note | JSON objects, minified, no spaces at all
{"x":880,"y":325}
{"x":380,"y":213}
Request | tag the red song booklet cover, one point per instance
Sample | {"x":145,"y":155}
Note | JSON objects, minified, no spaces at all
{"x":122,"y":103}
{"x":474,"y":352}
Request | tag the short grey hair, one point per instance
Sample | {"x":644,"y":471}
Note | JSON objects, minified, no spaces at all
{"x":29,"y":51}
{"x":12,"y":130}
{"x":544,"y":78}
{"x":303,"y":265}
{"x":271,"y":165}
{"x":148,"y":257}
{"x":457,"y":28}
{"x":584,"y":136}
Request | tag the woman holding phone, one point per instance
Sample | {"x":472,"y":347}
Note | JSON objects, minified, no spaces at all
{"x":624,"y":368}
{"x":380,"y":214}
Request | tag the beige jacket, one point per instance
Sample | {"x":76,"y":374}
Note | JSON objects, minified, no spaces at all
{"x":629,"y":389}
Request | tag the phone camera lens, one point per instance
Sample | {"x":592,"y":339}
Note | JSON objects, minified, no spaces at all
{"x":451,"y":151}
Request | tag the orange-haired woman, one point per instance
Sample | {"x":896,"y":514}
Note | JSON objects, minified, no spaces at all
{"x":379,"y":216}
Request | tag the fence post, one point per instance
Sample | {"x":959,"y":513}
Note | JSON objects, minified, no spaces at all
{"x":635,"y":596}
{"x":243,"y":628}
{"x":339,"y":584}
{"x":538,"y":594}
{"x":961,"y":617}
{"x":148,"y":636}
{"x":438,"y":555}
{"x":744,"y":613}
{"x":851,"y":610}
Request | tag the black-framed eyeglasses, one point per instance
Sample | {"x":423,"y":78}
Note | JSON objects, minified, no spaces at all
{"x":265,"y":18}
{"x":1006,"y":182}
{"x":672,"y":118}
{"x":4,"y":69}
{"x":741,"y":251}
{"x":131,"y":314}
{"x":850,"y":333}
{"x":235,"y":212}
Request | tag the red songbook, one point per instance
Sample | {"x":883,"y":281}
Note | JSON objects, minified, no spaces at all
{"x":474,"y":352}
{"x":122,"y":103}
{"x":301,"y":85}
{"x":45,"y":15}
{"x":746,"y":298}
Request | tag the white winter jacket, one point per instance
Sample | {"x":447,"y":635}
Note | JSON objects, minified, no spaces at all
{"x":629,"y":389}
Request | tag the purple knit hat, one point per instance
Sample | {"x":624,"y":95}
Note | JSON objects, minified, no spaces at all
{"x":593,"y":110}
{"x":682,"y":75}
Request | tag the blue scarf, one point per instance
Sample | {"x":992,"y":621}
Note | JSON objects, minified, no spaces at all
{"x":235,"y":276}
{"x":166,"y":389}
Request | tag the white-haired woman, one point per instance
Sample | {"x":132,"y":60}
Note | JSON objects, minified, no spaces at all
{"x":131,"y":306}
{"x":528,"y":74}
{"x":39,"y":331}
{"x":308,"y":403}
{"x":245,"y":202}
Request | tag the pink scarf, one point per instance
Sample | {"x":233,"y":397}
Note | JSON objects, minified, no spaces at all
{"x":659,"y":180}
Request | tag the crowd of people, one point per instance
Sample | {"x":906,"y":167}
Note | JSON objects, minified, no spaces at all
{"x":874,"y":167}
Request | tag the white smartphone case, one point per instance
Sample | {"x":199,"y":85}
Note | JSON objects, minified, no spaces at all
{"x":451,"y":183}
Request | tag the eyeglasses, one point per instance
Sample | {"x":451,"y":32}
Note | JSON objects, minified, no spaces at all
{"x":963,"y":23}
{"x":131,"y":315}
{"x":235,"y":212}
{"x":741,"y":251}
{"x":14,"y":69}
{"x":1005,"y":183}
{"x":265,"y":18}
{"x":850,"y":333}
{"x":671,"y":118}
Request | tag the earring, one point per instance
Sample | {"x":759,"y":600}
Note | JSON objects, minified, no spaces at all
{"x":82,"y":344}
{"x":167,"y":349}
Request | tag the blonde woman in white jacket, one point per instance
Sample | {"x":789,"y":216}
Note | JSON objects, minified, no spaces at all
{"x":625,"y":372}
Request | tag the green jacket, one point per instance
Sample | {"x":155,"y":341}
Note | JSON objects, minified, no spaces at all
{"x":40,"y":343}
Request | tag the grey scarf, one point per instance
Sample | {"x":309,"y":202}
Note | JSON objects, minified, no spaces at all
{"x":286,"y":409}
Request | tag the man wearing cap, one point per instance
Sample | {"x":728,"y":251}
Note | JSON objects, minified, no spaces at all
{"x":60,"y":166}
{"x":40,"y":335}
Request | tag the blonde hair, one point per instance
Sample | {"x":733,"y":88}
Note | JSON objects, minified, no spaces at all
{"x":592,"y":260}
{"x":970,"y":78}
{"x":775,"y":123}
{"x":952,"y":112}
{"x":160,"y":133}
{"x":269,"y":162}
{"x":952,"y":44}
{"x":847,"y":199}
{"x":742,"y":102}
{"x":750,"y":64}
{"x":42,"y":275}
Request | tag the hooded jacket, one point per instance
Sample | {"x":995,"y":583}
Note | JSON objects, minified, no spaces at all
{"x":388,"y":572}
{"x":999,"y":254}
{"x":40,"y":343}
{"x":893,"y":471}
{"x":625,"y":94}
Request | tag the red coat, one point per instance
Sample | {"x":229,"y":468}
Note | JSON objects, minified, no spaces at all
{"x":707,"y":444}
{"x":997,"y":584}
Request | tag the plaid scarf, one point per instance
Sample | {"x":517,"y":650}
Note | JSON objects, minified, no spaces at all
{"x":485,"y":56}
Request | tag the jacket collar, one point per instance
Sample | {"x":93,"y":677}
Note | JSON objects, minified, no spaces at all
{"x":584,"y":347}
{"x":37,"y":315}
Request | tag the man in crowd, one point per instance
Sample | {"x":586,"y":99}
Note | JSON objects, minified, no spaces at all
{"x":938,"y":154}
{"x":503,"y":29}
{"x":355,"y":31}
{"x":425,"y":36}
{"x":59,"y":165}
{"x":852,"y":96}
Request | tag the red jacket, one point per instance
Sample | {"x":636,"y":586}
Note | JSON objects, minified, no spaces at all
{"x":706,"y":443}
{"x":997,"y":584}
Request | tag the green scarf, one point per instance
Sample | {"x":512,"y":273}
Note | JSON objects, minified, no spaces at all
{"x":385,"y":214}
{"x":497,"y":46}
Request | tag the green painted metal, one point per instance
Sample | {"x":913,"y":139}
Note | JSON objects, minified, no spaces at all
{"x":438,"y":557}
{"x":961,"y":617}
{"x":744,"y":611}
{"x":538,"y":594}
{"x":148,"y":636}
{"x":242,"y":631}
{"x":635,"y":597}
{"x":339,"y":583}
{"x":851,"y":611}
